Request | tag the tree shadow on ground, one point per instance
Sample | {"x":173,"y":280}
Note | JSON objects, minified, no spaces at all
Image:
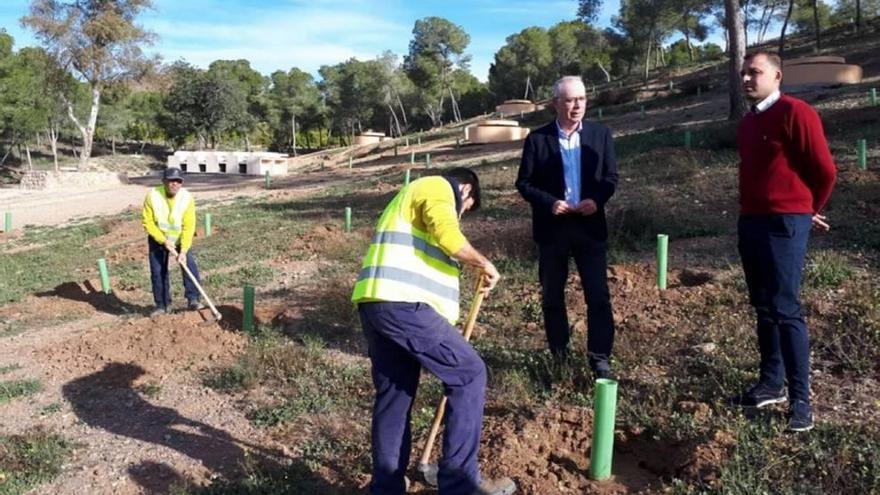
{"x":296,"y":478}
{"x":107,"y":399}
{"x":328,"y":316}
{"x":88,"y":293}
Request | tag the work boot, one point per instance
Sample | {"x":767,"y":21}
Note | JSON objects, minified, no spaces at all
{"x":759,"y":395}
{"x":158,"y":312}
{"x":800,"y":416}
{"x":500,"y":486}
{"x":194,"y":305}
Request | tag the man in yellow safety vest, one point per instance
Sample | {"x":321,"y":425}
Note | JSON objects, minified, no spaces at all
{"x":407,"y":298}
{"x":169,"y":217}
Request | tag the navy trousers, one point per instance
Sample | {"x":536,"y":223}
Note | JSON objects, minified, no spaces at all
{"x":403,"y":338}
{"x":590,"y":258}
{"x":773,"y":248}
{"x":160,"y":278}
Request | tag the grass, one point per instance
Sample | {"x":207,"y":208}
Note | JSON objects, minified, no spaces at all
{"x":30,"y":459}
{"x":852,"y":342}
{"x":151,"y":390}
{"x":304,"y":380}
{"x":9,"y":368}
{"x":714,"y":137}
{"x":63,"y":254}
{"x":826,"y":270}
{"x":50,"y":409}
{"x":14,"y":389}
{"x":831,"y":459}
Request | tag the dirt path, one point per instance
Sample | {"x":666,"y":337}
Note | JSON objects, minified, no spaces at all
{"x":60,"y":206}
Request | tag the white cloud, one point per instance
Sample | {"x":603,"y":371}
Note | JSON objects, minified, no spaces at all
{"x":289,"y":38}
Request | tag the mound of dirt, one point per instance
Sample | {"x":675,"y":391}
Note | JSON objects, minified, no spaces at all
{"x":550,"y":453}
{"x":159,"y":346}
{"x":639,"y":303}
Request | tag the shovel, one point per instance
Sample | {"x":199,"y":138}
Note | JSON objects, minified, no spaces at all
{"x":217,"y":315}
{"x":429,"y":471}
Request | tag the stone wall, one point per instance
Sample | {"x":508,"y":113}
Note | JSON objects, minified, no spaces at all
{"x":47,"y":180}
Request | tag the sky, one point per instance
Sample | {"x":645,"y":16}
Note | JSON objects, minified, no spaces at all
{"x":282,"y":34}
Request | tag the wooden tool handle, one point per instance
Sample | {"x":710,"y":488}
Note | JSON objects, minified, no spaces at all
{"x":195,"y":282}
{"x":469,"y":325}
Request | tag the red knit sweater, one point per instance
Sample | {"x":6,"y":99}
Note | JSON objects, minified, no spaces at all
{"x":786,"y":166}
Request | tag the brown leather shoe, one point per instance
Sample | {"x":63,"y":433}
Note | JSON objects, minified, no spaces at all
{"x":500,"y":486}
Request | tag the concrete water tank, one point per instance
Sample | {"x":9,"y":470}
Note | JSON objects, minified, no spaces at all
{"x":824,"y":70}
{"x":495,"y":131}
{"x":369,"y":137}
{"x":515,"y":107}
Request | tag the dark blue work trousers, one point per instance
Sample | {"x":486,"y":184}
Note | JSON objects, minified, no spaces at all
{"x":592,"y":265}
{"x":773,"y":248}
{"x":403,"y":338}
{"x":160,"y":278}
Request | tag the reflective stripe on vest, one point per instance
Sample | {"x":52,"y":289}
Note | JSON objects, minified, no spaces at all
{"x":170,"y":221}
{"x":404,"y":264}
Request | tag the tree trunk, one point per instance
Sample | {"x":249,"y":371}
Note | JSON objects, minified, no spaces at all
{"x":858,"y":16}
{"x":687,"y":37}
{"x":293,"y":131}
{"x":89,"y":134}
{"x":745,"y":12}
{"x":602,"y":68}
{"x":84,"y":130}
{"x":394,"y":121}
{"x":113,"y":145}
{"x":247,"y":142}
{"x":648,"y":59}
{"x":528,"y":87}
{"x":766,"y":23}
{"x":456,"y":114}
{"x":27,"y":150}
{"x":816,"y":25}
{"x":52,"y":132}
{"x":784,"y":26}
{"x":761,"y":22}
{"x":736,"y":34}
{"x":402,"y":112}
{"x":8,"y":151}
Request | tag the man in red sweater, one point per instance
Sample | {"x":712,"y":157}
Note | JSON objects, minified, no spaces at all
{"x":786,"y":176}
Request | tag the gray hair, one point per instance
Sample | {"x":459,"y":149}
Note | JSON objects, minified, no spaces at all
{"x":565,"y":79}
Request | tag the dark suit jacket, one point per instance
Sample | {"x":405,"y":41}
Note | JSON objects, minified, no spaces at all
{"x":541,"y":181}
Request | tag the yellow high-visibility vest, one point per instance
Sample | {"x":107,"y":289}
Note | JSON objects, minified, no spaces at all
{"x":405,"y":264}
{"x":169,"y":220}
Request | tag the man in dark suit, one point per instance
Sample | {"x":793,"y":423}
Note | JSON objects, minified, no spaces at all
{"x":567,"y":173}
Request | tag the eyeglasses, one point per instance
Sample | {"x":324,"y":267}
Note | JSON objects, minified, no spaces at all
{"x":176,"y":181}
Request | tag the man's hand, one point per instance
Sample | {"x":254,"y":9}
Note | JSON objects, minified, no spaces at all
{"x":470,"y":256}
{"x":586,"y":207}
{"x":490,"y":277}
{"x":181,"y":258}
{"x":820,"y":224}
{"x":172,"y":249}
{"x":561,"y":208}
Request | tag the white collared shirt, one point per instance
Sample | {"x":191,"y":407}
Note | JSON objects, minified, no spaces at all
{"x":570,"y":149}
{"x":767,"y":102}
